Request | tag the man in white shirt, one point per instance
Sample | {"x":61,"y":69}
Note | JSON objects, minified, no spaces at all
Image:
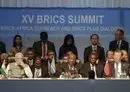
{"x":18,"y":69}
{"x":37,"y":69}
{"x":119,"y":68}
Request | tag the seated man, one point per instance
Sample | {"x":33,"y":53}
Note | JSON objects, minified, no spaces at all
{"x":69,"y":68}
{"x":109,"y":58}
{"x":37,"y":68}
{"x":49,"y":63}
{"x":42,"y":47}
{"x":125,"y":56}
{"x":92,"y":65}
{"x":119,"y":69}
{"x":31,"y":56}
{"x":18,"y":69}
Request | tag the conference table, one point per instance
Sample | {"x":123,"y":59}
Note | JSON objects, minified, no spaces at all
{"x":64,"y":85}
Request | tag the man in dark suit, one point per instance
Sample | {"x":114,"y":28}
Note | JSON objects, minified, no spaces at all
{"x":37,"y":69}
{"x":43,"y":46}
{"x":119,"y":43}
{"x":92,"y":66}
{"x":49,"y":65}
{"x":2,"y":47}
{"x":69,"y":68}
{"x":118,"y":67}
{"x":94,"y":48}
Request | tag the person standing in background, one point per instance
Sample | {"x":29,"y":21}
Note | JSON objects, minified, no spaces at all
{"x":43,"y":46}
{"x":94,"y":48}
{"x":119,"y":43}
{"x":68,"y":45}
{"x":17,"y":46}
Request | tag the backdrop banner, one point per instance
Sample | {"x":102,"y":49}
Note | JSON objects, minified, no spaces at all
{"x":81,"y":22}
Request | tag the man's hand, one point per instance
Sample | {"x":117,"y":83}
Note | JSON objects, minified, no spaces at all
{"x":22,"y":64}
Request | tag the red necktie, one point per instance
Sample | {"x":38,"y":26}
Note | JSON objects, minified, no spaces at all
{"x":43,"y":50}
{"x":107,"y":69}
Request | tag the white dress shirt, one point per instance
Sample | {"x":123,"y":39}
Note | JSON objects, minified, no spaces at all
{"x":37,"y":73}
{"x":119,"y":43}
{"x":30,"y":62}
{"x":118,"y":71}
{"x":94,"y":48}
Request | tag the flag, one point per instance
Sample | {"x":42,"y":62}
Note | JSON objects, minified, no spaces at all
{"x":52,"y":66}
{"x":107,"y":69}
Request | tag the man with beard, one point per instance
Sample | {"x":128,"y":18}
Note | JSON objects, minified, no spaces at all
{"x":37,"y":68}
{"x":94,"y":48}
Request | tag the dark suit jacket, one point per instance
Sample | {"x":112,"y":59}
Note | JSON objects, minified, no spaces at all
{"x":124,"y":45}
{"x":86,"y":69}
{"x":38,"y":47}
{"x":44,"y":67}
{"x":125,"y":66}
{"x":100,"y":52}
{"x":65,"y":68}
{"x":2,"y":48}
{"x":33,"y":71}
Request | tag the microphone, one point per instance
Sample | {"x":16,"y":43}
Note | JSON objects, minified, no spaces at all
{"x":91,"y":74}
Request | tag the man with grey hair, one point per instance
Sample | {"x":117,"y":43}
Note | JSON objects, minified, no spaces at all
{"x":119,"y":69}
{"x":18,"y":69}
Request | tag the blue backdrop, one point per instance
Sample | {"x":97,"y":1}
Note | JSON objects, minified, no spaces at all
{"x":81,"y":22}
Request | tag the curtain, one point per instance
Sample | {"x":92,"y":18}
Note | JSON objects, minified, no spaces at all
{"x":65,"y":3}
